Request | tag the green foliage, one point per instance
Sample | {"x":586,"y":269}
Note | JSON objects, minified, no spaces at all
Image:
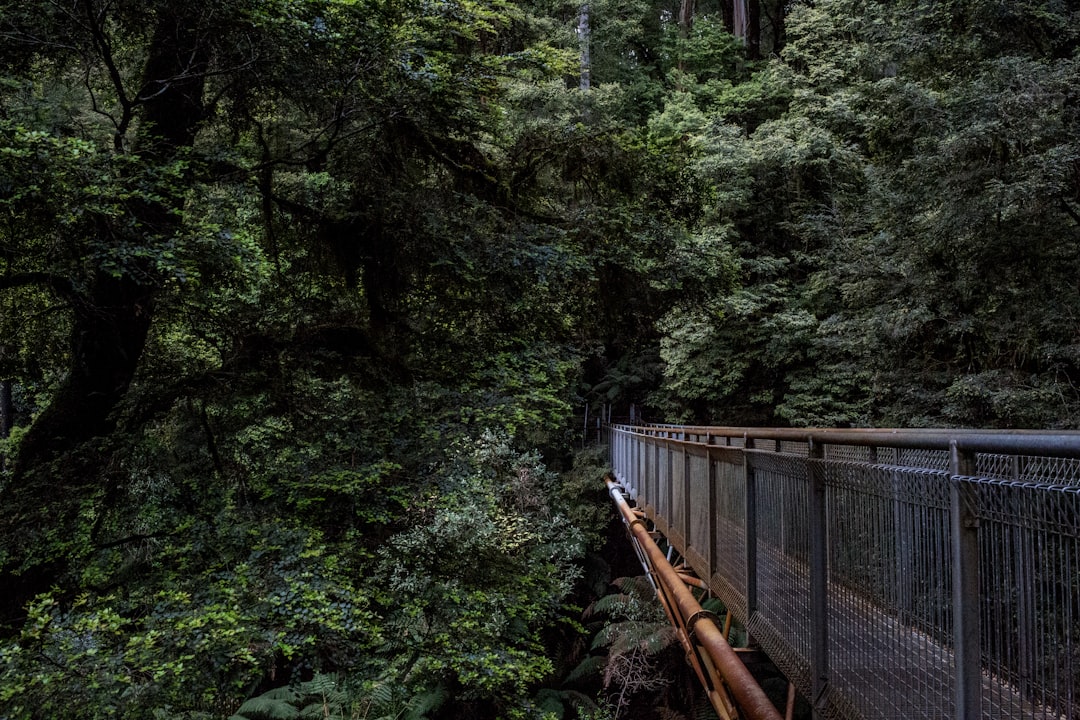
{"x":584,"y":498}
{"x":468,"y":589}
{"x":198,"y":644}
{"x":885,"y":218}
{"x":634,"y":634}
{"x":256,"y":328}
{"x":321,"y":697}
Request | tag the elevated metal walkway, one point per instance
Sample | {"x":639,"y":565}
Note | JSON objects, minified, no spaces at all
{"x":887,"y":573}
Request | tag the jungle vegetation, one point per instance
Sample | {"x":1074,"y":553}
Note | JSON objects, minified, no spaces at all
{"x":301,"y":302}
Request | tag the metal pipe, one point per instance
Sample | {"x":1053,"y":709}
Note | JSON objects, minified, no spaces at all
{"x":693,"y":581}
{"x":745,"y":690}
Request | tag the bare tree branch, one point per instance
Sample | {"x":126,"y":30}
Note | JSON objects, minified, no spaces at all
{"x":103,"y":46}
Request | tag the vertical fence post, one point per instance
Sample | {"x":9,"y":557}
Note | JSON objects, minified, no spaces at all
{"x":710,"y":517}
{"x":687,"y":485}
{"x":751,"y":530}
{"x":819,"y":578}
{"x":965,"y":552}
{"x":669,"y":494}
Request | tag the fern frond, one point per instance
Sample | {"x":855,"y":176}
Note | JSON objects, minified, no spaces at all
{"x":637,"y":585}
{"x":659,"y":639}
{"x":317,"y":710}
{"x":550,"y":702}
{"x":714,"y":605}
{"x":614,"y":604}
{"x":703,"y":710}
{"x":382,"y":695}
{"x":580,"y":701}
{"x":420,"y":705}
{"x":667,"y":713}
{"x":320,"y":684}
{"x":609,"y":634}
{"x":276,"y":704}
{"x":591,"y":665}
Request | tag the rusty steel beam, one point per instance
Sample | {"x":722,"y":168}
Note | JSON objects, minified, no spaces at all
{"x":695,"y":625}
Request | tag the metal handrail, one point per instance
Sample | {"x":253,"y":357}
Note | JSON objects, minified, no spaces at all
{"x":1061,"y":443}
{"x":695,"y":627}
{"x":958,"y":550}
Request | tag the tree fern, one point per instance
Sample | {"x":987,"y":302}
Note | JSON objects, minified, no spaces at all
{"x":620,"y":637}
{"x":703,"y":710}
{"x":591,"y":665}
{"x":276,"y":704}
{"x":320,"y":697}
{"x":380,"y":695}
{"x":667,"y":713}
{"x":550,"y":702}
{"x":420,"y":705}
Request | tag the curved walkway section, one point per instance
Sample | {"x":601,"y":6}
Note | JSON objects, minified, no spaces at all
{"x":887,"y":573}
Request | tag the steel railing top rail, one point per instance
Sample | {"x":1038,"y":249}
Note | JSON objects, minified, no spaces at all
{"x":1051,"y":443}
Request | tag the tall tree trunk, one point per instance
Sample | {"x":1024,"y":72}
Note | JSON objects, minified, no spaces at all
{"x":7,"y":409}
{"x":686,"y":23}
{"x":583,"y":39}
{"x":753,"y":29}
{"x":778,"y":25}
{"x":7,"y":414}
{"x":738,"y":19}
{"x":109,"y":329}
{"x":58,"y":473}
{"x":686,"y":18}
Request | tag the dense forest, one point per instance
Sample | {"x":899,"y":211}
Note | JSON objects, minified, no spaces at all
{"x":302,"y":302}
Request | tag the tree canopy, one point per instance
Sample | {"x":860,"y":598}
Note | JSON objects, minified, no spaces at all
{"x":303,"y":300}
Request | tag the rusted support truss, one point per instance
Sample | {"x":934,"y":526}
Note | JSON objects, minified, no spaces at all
{"x":731,"y":688}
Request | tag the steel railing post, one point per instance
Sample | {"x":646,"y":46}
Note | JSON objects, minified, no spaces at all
{"x":687,"y":489}
{"x":710,"y":518}
{"x":750,"y":522}
{"x":965,"y":552}
{"x":819,"y":579}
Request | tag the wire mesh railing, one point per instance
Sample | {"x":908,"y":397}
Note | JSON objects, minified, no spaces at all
{"x":887,"y":573}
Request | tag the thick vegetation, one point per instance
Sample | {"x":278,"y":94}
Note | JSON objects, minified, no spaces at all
{"x":300,"y":298}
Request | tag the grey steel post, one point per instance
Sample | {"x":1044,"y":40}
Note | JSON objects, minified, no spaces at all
{"x":669,"y":502}
{"x":819,"y":580}
{"x":904,"y":533}
{"x":710,"y":517}
{"x":751,"y":531}
{"x":687,"y":485}
{"x":965,"y":552}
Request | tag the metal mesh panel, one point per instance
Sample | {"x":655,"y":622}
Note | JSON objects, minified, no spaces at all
{"x":890,"y":589}
{"x":782,"y":518}
{"x":652,"y":473}
{"x":847,"y":452}
{"x":677,"y":520}
{"x":729,"y":552}
{"x":1030,"y":585}
{"x":925,"y":459}
{"x":663,"y":496}
{"x":783,"y":548}
{"x":698,"y":534}
{"x":1046,"y":470}
{"x":644,"y":480}
{"x":793,"y":447}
